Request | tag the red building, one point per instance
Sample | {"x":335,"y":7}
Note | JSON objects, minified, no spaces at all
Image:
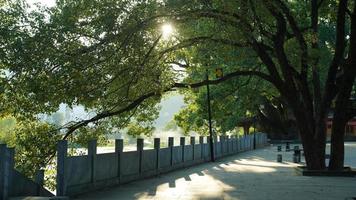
{"x":350,"y":129}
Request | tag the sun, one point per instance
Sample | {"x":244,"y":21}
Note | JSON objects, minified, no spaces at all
{"x":167,"y":30}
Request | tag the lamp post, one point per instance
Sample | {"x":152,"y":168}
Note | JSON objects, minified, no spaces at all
{"x":212,"y":156}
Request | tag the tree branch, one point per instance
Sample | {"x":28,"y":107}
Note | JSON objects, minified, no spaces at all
{"x":225,"y":78}
{"x":142,"y":98}
{"x":330,"y":84}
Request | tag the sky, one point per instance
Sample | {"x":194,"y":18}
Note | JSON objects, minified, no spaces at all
{"x":48,"y":3}
{"x":170,"y":105}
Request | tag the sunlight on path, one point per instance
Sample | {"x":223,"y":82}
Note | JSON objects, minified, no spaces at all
{"x":247,"y":176}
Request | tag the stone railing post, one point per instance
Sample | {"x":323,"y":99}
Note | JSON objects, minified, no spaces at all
{"x":170,"y":145}
{"x":92,"y":150}
{"x":140,"y":152}
{"x":62,"y":148}
{"x":3,"y":190}
{"x":244,"y":141}
{"x":228,"y":144}
{"x":254,"y":141}
{"x":222,"y":141}
{"x":39,"y":179}
{"x":215,"y":140}
{"x":201,"y":142}
{"x":192,"y":143}
{"x":6,"y":170}
{"x":11,"y":165}
{"x":157,"y":146}
{"x":119,"y":148}
{"x":182,"y":144}
{"x":237,"y":143}
{"x":209,"y":150}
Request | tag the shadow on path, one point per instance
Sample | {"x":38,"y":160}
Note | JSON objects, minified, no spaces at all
{"x":246,"y":176}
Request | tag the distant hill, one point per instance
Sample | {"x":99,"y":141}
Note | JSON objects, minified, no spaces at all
{"x":170,"y":106}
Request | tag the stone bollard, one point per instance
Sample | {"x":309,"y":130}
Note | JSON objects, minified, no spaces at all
{"x":287,"y":146}
{"x":296,"y":156}
{"x":279,"y":148}
{"x":279,"y":158}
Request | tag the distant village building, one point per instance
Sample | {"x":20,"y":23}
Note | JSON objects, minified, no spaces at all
{"x":350,"y":129}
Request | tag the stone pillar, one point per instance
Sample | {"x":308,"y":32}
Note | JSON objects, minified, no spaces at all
{"x":11,"y":165}
{"x":6,"y":169}
{"x":39,"y":179}
{"x":170,"y":145}
{"x":192,"y":143}
{"x":92,"y":156}
{"x":182,"y":144}
{"x":215,"y":139}
{"x":244,"y":143}
{"x":140,"y":152}
{"x":279,"y":157}
{"x":119,"y":148}
{"x":279,"y":148}
{"x":3,"y":191}
{"x":201,"y":142}
{"x":61,"y":187}
{"x":228,"y":141}
{"x":222,"y":145}
{"x":254,"y":141}
{"x":157,"y":146}
{"x":232,"y":146}
{"x":237,"y":144}
{"x":208,"y":142}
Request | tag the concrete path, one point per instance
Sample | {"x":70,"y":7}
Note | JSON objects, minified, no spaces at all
{"x":251,"y":175}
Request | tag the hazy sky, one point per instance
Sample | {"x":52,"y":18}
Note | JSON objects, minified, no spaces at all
{"x":48,"y":3}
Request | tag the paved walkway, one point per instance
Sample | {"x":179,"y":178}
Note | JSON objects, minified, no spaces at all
{"x":251,"y":175}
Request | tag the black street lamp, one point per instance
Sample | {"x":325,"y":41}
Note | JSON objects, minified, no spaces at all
{"x":212,"y":156}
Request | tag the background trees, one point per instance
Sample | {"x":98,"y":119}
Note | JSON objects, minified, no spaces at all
{"x":110,"y":57}
{"x":285,"y":37}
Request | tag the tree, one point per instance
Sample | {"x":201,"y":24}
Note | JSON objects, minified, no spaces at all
{"x":94,"y":54}
{"x":286,"y":39}
{"x":232,"y":101}
{"x":109,"y":57}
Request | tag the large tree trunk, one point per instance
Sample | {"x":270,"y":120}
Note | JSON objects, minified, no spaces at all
{"x":342,"y":102}
{"x":314,"y":151}
{"x":340,"y":119}
{"x":339,"y":122}
{"x":313,"y":143}
{"x":337,"y":152}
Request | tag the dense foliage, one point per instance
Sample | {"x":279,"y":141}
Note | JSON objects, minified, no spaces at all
{"x":112,"y":58}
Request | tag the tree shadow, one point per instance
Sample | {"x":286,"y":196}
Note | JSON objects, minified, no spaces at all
{"x":234,"y":177}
